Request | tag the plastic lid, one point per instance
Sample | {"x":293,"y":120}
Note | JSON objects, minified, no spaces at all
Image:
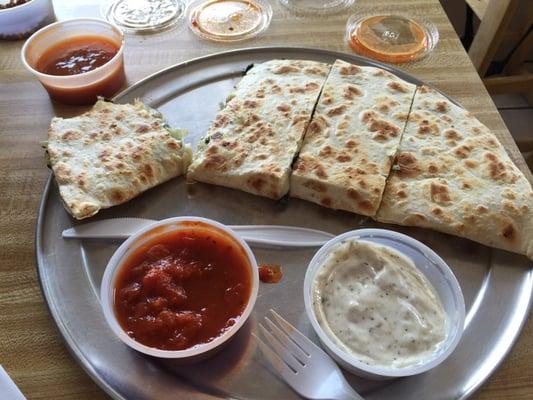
{"x":307,"y":7}
{"x":390,"y":38}
{"x":229,"y":20}
{"x":143,"y":15}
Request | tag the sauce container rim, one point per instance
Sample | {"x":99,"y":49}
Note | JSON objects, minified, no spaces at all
{"x":454,"y":332}
{"x":130,"y":245}
{"x":66,"y":78}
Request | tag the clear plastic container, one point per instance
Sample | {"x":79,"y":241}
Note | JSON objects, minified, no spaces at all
{"x":310,"y":7}
{"x":133,"y":243}
{"x":143,"y":16}
{"x":394,"y":38}
{"x":435,"y":270}
{"x":21,"y":21}
{"x":83,"y":88}
{"x":228,"y":20}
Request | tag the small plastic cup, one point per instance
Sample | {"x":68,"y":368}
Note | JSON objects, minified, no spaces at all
{"x":85,"y":88}
{"x":148,"y":234}
{"x":427,"y":262}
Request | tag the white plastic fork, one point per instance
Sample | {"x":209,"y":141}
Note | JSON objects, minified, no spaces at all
{"x":307,"y":369}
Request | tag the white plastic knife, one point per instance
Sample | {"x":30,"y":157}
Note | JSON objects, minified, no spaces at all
{"x":257,"y":235}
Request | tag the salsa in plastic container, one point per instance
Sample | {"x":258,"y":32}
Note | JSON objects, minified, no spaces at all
{"x":391,"y":38}
{"x":228,"y":20}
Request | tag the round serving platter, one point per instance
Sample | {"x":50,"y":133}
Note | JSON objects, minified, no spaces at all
{"x":497,"y":285}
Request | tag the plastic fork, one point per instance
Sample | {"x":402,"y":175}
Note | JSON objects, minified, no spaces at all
{"x":307,"y":369}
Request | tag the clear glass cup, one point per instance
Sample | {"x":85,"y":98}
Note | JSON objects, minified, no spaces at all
{"x":80,"y":89}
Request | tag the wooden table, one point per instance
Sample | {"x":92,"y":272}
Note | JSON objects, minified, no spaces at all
{"x":31,"y":349}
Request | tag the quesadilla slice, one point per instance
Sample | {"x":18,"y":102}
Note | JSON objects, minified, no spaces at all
{"x":454,"y":176}
{"x":112,"y":153}
{"x":252,"y":142}
{"x":351,"y":141}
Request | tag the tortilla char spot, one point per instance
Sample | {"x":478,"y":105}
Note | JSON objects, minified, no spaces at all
{"x":212,"y":149}
{"x":452,"y":134}
{"x":229,"y":145}
{"x":148,"y":170}
{"x":397,"y":86}
{"x":408,"y":165}
{"x":415,"y":219}
{"x":353,"y":194}
{"x":284,"y":107}
{"x":467,"y":185}
{"x":326,"y":151}
{"x":343,"y":125}
{"x":365,"y":205}
{"x":476,"y":130}
{"x":437,"y":211}
{"x":325,"y":201}
{"x":71,"y":135}
{"x":349,"y":70}
{"x":315,"y":186}
{"x":462,"y":151}
{"x":426,"y":127}
{"x":433,"y":169}
{"x":384,"y":129}
{"x":250,"y":104}
{"x":215,"y":161}
{"x":343,"y":158}
{"x":339,"y":110}
{"x":361,"y":182}
{"x":314,"y":71}
{"x":297,"y":89}
{"x":320,"y":171}
{"x":439,"y":193}
{"x":106,"y":136}
{"x":117,"y":195}
{"x":257,"y":183}
{"x":367,"y":115}
{"x":401,"y":194}
{"x":285,"y":69}
{"x":350,"y":144}
{"x":327,"y":100}
{"x":350,"y":91}
{"x":509,"y":232}
{"x":497,"y":169}
{"x":442,"y":106}
{"x":260,"y":93}
{"x":221,"y":120}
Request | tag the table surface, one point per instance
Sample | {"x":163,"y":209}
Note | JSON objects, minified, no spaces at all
{"x":31,"y":350}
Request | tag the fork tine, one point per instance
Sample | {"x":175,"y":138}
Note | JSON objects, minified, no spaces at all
{"x":282,"y":352}
{"x":277,"y":363}
{"x":299,"y":338}
{"x":296,"y":351}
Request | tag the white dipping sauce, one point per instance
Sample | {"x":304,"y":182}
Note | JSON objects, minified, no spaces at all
{"x":375,"y":305}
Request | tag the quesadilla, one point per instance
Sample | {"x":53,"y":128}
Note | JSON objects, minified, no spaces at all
{"x":453,"y":175}
{"x":253,"y":140}
{"x":112,"y":153}
{"x":350,"y":143}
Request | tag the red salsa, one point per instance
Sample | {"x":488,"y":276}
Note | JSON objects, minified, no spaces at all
{"x":270,"y":273}
{"x":182,"y":289}
{"x":77,"y":55}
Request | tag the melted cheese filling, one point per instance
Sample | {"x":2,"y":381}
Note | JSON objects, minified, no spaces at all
{"x":375,"y":305}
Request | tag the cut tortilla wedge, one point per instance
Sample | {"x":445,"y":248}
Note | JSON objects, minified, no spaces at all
{"x":111,"y":154}
{"x":352,"y":139}
{"x":454,"y":176}
{"x":252,"y":142}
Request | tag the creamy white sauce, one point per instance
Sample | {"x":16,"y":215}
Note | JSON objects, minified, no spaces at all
{"x":374,"y":304}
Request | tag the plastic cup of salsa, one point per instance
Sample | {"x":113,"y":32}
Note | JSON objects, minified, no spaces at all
{"x":80,"y":88}
{"x":174,"y":233}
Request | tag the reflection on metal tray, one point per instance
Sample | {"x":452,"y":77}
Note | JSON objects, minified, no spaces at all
{"x":497,"y":285}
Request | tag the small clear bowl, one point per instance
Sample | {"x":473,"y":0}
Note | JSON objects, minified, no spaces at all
{"x":434,"y":269}
{"x":21,"y":21}
{"x":80,"y":89}
{"x":321,"y":7}
{"x":228,"y":21}
{"x":395,"y":38}
{"x":147,"y":234}
{"x":143,"y":16}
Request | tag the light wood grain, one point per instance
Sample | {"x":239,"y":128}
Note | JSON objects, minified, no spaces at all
{"x":31,"y":350}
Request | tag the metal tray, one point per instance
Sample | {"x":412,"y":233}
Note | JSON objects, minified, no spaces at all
{"x":497,"y":285}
